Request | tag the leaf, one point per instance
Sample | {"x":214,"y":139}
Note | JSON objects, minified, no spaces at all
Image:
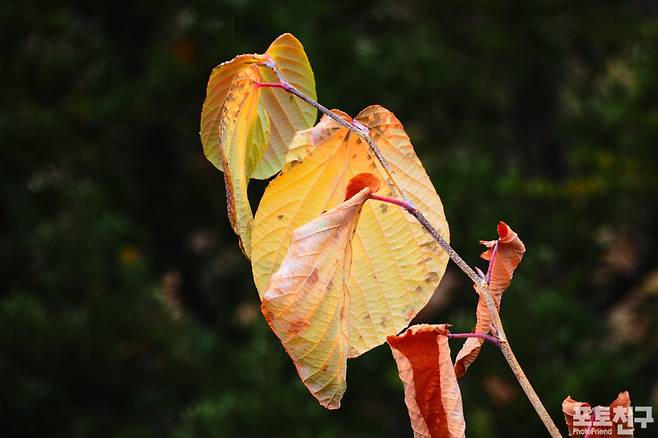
{"x":359,"y":181}
{"x":306,"y":302}
{"x":245,"y":129}
{"x":396,"y":265}
{"x":431,"y":391}
{"x":285,"y":113}
{"x":218,"y":87}
{"x":583,"y":421}
{"x":508,"y":256}
{"x":240,"y":118}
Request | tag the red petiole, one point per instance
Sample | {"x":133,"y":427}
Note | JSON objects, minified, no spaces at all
{"x":399,"y":202}
{"x":493,"y":339}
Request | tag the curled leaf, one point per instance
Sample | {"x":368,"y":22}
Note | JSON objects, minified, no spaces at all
{"x":287,"y":115}
{"x":241,"y":124}
{"x":218,"y":87}
{"x":245,"y":129}
{"x":508,"y":251}
{"x":396,"y":265}
{"x":615,"y":420}
{"x":431,"y":391}
{"x":306,"y":302}
{"x":359,"y":182}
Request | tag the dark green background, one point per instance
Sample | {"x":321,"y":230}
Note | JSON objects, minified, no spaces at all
{"x":126,"y":307}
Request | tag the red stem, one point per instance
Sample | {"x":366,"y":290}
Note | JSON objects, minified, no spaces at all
{"x":270,"y":85}
{"x":404,"y":204}
{"x":494,"y":340}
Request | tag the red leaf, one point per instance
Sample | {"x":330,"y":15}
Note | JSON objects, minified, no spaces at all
{"x":583,"y":421}
{"x":508,"y":256}
{"x":359,"y":182}
{"x":431,"y":391}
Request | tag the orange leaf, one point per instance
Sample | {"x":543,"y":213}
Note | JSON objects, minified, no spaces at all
{"x":431,"y":391}
{"x":306,"y":302}
{"x":583,"y":421}
{"x":361,"y":181}
{"x":509,"y":253}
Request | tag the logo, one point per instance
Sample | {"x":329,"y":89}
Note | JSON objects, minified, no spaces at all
{"x":601,"y":421}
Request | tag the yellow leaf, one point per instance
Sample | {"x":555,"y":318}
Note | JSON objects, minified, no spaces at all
{"x":267,"y":126}
{"x":285,"y":113}
{"x":306,"y":302}
{"x":218,"y":86}
{"x":396,"y":266}
{"x":288,"y":114}
{"x":241,"y":124}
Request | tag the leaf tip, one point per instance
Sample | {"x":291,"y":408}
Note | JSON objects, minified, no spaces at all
{"x":503,"y":229}
{"x":359,"y":182}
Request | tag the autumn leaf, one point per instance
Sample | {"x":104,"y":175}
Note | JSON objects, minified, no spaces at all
{"x":218,"y":87}
{"x":431,"y":391}
{"x":239,"y":120}
{"x":287,"y":113}
{"x":284,"y":112}
{"x":245,"y":128}
{"x":396,"y":265}
{"x":359,"y":182}
{"x":306,"y":302}
{"x":584,"y":421}
{"x":504,"y":255}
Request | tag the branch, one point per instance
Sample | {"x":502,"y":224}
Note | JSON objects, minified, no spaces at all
{"x":363,"y":132}
{"x":491,"y":306}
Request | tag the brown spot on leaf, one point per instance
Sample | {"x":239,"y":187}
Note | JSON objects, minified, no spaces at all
{"x":297,"y":326}
{"x":313,"y":278}
{"x":432,"y":278}
{"x":279,"y":217}
{"x":383,"y":208}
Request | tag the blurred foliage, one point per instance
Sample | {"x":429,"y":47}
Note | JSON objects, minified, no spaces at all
{"x":126,"y":307}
